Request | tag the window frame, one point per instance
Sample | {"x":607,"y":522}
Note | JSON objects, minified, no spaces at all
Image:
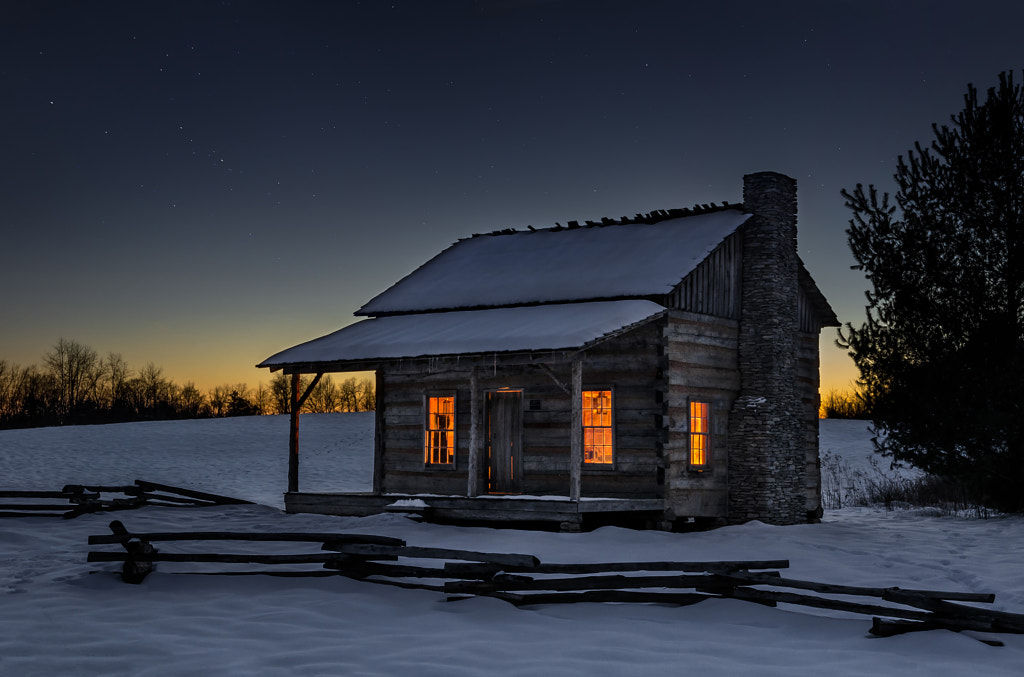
{"x":613,"y":443}
{"x":706,"y":434}
{"x":427,"y":429}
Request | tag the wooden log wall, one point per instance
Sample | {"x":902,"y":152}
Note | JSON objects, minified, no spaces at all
{"x":632,"y":366}
{"x":807,"y":319}
{"x":808,"y":381}
{"x":701,"y":365}
{"x":628,"y":364}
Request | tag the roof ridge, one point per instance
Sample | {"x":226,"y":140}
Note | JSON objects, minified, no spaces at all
{"x":649,"y":218}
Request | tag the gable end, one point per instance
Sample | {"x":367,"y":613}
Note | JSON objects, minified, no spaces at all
{"x":714,"y":286}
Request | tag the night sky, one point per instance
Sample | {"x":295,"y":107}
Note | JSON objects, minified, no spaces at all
{"x":200,"y":185}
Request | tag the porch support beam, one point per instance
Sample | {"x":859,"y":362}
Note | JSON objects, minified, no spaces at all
{"x":576,"y":440}
{"x":554,"y":377}
{"x":475,"y":453}
{"x":293,"y":430}
{"x":378,"y":435}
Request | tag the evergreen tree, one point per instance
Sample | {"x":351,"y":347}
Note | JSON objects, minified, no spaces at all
{"x":941,"y":356}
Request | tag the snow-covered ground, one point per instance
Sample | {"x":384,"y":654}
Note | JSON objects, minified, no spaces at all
{"x":62,"y":616}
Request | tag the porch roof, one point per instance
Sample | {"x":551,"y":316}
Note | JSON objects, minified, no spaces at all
{"x":548,"y":327}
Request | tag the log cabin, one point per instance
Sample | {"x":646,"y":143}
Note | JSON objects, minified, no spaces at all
{"x":659,"y":371}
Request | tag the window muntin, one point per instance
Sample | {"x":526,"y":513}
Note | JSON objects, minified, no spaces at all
{"x":598,"y":445}
{"x":700,"y":433}
{"x":439,"y":433}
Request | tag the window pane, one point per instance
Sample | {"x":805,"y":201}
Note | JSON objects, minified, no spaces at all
{"x":698,"y":454}
{"x":597,"y":426}
{"x":439,"y":437}
{"x":698,"y":417}
{"x":700,"y":431}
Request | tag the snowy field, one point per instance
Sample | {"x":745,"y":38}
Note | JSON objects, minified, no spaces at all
{"x":62,"y":616}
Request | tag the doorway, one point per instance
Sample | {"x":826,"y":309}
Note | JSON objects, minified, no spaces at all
{"x":505,"y":441}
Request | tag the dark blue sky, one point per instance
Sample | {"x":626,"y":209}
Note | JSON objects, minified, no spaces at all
{"x":203,"y":184}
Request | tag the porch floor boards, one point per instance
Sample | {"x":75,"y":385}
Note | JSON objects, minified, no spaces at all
{"x":486,"y":508}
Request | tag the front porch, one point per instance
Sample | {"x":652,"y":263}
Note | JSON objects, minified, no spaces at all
{"x":544,"y":511}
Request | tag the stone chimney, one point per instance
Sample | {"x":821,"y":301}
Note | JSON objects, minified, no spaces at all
{"x":766,"y":455}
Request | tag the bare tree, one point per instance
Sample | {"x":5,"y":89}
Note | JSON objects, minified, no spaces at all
{"x":7,"y":372}
{"x":261,"y":399}
{"x":191,"y":402}
{"x":348,"y":393}
{"x":368,"y":396}
{"x":132,"y":397}
{"x":156,"y":389}
{"x":281,"y":392}
{"x":242,"y":390}
{"x":12,"y":389}
{"x":325,"y":397}
{"x":74,"y":368}
{"x":220,"y":397}
{"x":115,"y":373}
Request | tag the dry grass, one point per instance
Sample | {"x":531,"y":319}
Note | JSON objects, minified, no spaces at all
{"x":843,"y":486}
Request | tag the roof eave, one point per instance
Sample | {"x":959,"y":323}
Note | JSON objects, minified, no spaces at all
{"x":826,"y":315}
{"x":546,"y":356}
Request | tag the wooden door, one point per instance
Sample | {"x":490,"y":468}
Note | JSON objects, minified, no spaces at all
{"x":504,"y":442}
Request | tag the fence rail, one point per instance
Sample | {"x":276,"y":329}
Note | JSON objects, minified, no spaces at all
{"x":523,"y":580}
{"x":80,"y":499}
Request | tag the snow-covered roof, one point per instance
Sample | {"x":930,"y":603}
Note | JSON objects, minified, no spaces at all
{"x":560,"y":265}
{"x":550,"y":327}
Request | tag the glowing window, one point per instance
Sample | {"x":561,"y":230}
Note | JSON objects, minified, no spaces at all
{"x":597,"y":426}
{"x":700,"y":433}
{"x":439,"y":434}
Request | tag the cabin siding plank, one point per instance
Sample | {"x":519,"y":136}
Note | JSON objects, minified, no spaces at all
{"x":702,"y":365}
{"x":630,"y":362}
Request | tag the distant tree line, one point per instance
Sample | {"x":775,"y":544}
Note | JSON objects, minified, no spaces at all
{"x":844,"y":404}
{"x":75,"y":385}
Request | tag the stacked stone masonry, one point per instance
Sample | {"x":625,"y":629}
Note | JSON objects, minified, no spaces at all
{"x":767,"y":433}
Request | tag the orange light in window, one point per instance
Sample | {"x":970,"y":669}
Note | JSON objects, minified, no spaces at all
{"x":439,"y":436}
{"x":597,"y":426}
{"x":700,"y":432}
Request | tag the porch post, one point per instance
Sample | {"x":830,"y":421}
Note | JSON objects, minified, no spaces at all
{"x":293,"y":438}
{"x":473,"y":485}
{"x":378,"y":434}
{"x":293,"y":429}
{"x":576,"y":440}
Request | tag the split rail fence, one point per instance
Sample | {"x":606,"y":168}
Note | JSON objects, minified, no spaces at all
{"x":523,"y":580}
{"x":79,"y":499}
